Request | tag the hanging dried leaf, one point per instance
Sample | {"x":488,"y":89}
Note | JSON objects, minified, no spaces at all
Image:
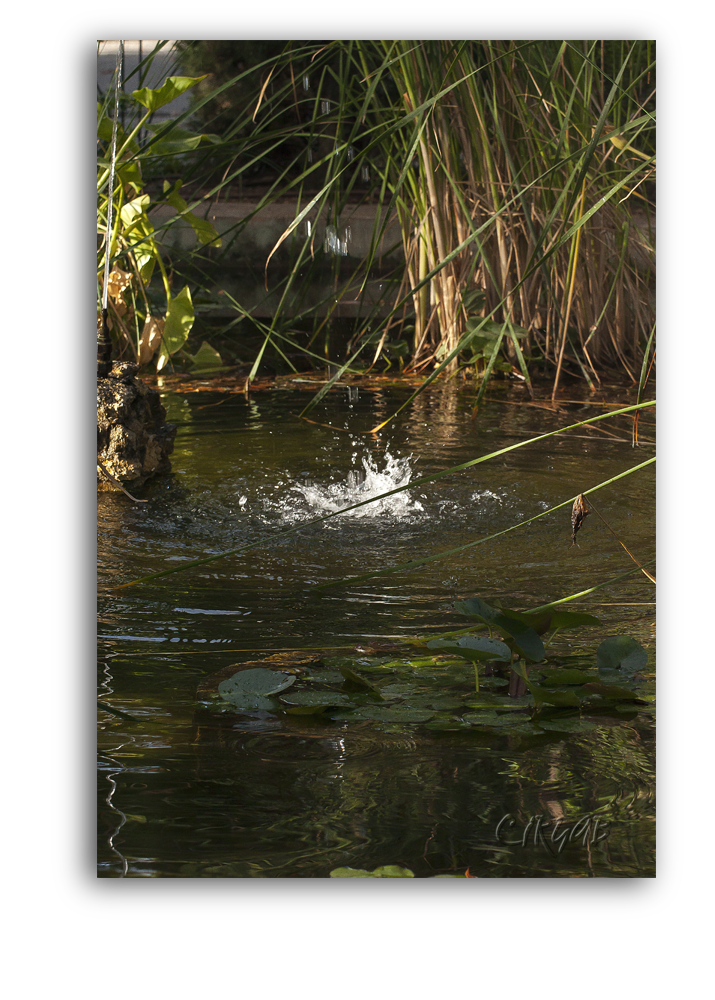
{"x":150,"y":340}
{"x":578,"y":512}
{"x":119,"y":281}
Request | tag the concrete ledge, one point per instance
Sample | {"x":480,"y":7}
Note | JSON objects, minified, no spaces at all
{"x":257,"y":232}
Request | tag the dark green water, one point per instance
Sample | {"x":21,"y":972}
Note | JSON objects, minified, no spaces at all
{"x":186,"y":792}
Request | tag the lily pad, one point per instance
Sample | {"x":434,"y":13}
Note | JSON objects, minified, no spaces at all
{"x":315,"y":699}
{"x":352,"y":679}
{"x":384,"y":871}
{"x":249,"y":689}
{"x":472,"y":647}
{"x":380,"y":714}
{"x":620,"y":655}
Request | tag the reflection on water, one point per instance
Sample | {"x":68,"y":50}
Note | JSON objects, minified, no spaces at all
{"x":184,"y":792}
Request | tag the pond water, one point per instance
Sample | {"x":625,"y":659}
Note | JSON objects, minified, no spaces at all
{"x":191,"y":789}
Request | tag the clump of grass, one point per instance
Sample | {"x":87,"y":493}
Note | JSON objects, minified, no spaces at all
{"x":518,"y":173}
{"x":521,"y":174}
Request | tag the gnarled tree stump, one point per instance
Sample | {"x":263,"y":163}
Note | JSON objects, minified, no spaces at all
{"x":134,"y":440}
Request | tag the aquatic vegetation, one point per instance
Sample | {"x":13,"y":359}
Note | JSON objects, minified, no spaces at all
{"x":386,"y":871}
{"x":511,"y":168}
{"x":129,"y":254}
{"x":521,"y":686}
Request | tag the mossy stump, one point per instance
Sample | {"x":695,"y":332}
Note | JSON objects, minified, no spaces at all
{"x":134,"y":440}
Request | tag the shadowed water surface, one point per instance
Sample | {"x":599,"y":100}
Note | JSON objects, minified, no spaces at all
{"x":188,"y":791}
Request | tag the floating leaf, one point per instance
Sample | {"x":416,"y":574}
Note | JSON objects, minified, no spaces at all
{"x":610,"y":692}
{"x":356,"y":680}
{"x":249,"y":689}
{"x":493,"y":719}
{"x":446,"y":725}
{"x":472,"y":647}
{"x":385,"y":871}
{"x":475,"y":607}
{"x":567,"y":725}
{"x":378,"y":713}
{"x":567,"y":676}
{"x":562,"y":699}
{"x":620,"y":654}
{"x":305,"y":702}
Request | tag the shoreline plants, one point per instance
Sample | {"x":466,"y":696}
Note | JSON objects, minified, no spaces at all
{"x":521,"y":174}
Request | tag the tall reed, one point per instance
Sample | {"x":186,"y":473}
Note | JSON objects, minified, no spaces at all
{"x":520,"y":173}
{"x":531,"y":161}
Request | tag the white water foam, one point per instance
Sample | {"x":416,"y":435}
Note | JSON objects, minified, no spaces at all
{"x":338,"y":496}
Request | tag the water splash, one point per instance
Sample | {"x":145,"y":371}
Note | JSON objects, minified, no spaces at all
{"x":362,"y":484}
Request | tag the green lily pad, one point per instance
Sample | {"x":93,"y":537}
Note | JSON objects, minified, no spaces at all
{"x":352,"y":679}
{"x":472,"y":647}
{"x":620,"y":655}
{"x":568,"y":676}
{"x":378,"y":713}
{"x":384,"y":871}
{"x":493,"y":719}
{"x":568,"y":725}
{"x":315,"y":699}
{"x":249,"y":689}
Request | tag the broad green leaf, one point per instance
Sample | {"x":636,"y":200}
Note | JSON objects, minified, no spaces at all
{"x":350,"y":873}
{"x":206,"y":357}
{"x":562,"y":699}
{"x":540,"y":621}
{"x":205,"y":232}
{"x":567,"y":725}
{"x":104,"y":131}
{"x":179,"y":320}
{"x":180,"y":140}
{"x":525,"y":639}
{"x":356,"y":680}
{"x":567,"y":676}
{"x":138,"y":232}
{"x":619,"y":655}
{"x":380,"y":714}
{"x":257,"y":681}
{"x":475,"y":607}
{"x":134,"y":211}
{"x":131,"y":174}
{"x":472,"y":647}
{"x":384,"y":871}
{"x":249,"y":689}
{"x":609,"y":691}
{"x":315,"y":699}
{"x":520,"y":670}
{"x":152,"y":100}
